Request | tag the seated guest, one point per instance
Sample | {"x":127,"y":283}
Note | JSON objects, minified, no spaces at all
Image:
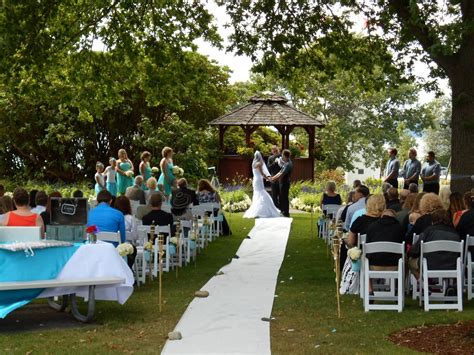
{"x":356,"y":184}
{"x":107,"y":218}
{"x":41,"y":200}
{"x":6,"y":205}
{"x":403,"y":196}
{"x":157,"y":216}
{"x":22,"y":216}
{"x":429,"y":203}
{"x":122,"y":203}
{"x":32,"y":197}
{"x":46,"y":215}
{"x":402,"y":216}
{"x":393,"y":202}
{"x":375,"y":207}
{"x":77,"y":194}
{"x":456,"y":207}
{"x":414,"y":214}
{"x":465,"y":226}
{"x":385,"y":187}
{"x":360,"y":195}
{"x":467,"y":200}
{"x":183,"y":186}
{"x":413,"y":188}
{"x":330,"y":197}
{"x":385,"y":229}
{"x":135,"y":192}
{"x":180,"y":206}
{"x":440,"y":229}
{"x":152,"y":188}
{"x":206,"y":193}
{"x":342,"y":213}
{"x":444,"y":194}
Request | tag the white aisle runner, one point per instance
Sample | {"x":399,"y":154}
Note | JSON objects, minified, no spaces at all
{"x":229,"y":321}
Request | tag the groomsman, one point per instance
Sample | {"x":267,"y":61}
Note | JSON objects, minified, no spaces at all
{"x":430,"y":174}
{"x":274,"y":167}
{"x":411,"y":169}
{"x":393,"y":166}
{"x":283,"y":177}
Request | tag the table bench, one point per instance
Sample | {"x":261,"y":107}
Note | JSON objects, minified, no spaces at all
{"x":43,"y":284}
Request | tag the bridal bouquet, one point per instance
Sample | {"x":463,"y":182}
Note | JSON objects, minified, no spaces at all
{"x":177,"y":171}
{"x":125,"y":249}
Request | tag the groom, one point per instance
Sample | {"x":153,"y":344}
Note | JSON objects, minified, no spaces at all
{"x":283,"y":177}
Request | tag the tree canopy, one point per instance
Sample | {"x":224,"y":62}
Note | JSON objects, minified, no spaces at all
{"x":438,"y":33}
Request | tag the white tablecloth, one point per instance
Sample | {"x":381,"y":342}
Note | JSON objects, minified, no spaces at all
{"x":91,"y":261}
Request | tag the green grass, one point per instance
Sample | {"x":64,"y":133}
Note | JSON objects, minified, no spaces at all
{"x":306,"y":304}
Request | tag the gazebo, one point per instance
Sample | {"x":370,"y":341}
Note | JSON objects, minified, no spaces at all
{"x":267,"y":109}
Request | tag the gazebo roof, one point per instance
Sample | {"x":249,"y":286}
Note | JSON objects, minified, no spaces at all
{"x":267,"y":109}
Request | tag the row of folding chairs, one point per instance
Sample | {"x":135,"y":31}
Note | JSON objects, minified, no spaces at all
{"x":329,"y":216}
{"x":432,"y":286}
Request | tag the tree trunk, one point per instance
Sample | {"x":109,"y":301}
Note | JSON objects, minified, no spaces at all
{"x":462,"y":123}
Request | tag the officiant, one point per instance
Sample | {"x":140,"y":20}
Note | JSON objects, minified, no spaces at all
{"x":274,"y":167}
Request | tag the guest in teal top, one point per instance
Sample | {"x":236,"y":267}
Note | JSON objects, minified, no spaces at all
{"x":167,"y":179}
{"x":145,"y":169}
{"x":124,"y":172}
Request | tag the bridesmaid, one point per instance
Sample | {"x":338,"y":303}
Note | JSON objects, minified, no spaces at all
{"x":145,"y":169}
{"x":124,"y":172}
{"x":167,"y":179}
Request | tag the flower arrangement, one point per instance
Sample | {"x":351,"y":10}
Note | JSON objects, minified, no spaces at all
{"x":177,"y":171}
{"x":174,"y":240}
{"x":129,"y":173}
{"x":91,"y":232}
{"x":238,"y":205}
{"x":302,"y":204}
{"x":354,"y":253}
{"x":155,"y":170}
{"x":125,"y":249}
{"x":148,"y":246}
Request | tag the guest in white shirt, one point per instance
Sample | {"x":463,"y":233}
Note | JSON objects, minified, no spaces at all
{"x":41,"y":200}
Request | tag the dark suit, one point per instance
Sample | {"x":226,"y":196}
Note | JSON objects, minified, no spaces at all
{"x":190,"y":193}
{"x":285,"y":188}
{"x":274,"y":169}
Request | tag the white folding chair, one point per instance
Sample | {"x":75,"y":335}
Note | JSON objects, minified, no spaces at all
{"x":392,"y":295}
{"x":426,"y":274}
{"x":20,"y":234}
{"x":330,"y":212}
{"x":413,"y":282}
{"x":170,"y":260}
{"x":189,"y":253}
{"x":470,"y":267}
{"x":360,"y":244}
{"x":113,"y":237}
{"x":134,"y":204}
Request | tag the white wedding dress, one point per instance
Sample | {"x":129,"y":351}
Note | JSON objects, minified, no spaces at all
{"x":262,"y":204}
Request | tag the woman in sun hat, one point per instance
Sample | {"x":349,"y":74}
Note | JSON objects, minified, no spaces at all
{"x":180,"y":205}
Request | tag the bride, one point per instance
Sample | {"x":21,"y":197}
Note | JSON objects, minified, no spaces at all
{"x":262,"y":204}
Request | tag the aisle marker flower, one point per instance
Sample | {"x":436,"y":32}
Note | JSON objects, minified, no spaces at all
{"x":125,"y":249}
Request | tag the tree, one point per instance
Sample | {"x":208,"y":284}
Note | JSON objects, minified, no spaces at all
{"x":411,"y":29}
{"x":63,"y":105}
{"x":438,"y":138}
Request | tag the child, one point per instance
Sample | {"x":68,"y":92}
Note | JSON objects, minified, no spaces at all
{"x":110,"y":173}
{"x":99,"y":178}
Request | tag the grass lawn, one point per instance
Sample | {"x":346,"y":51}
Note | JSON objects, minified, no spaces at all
{"x":306,"y":304}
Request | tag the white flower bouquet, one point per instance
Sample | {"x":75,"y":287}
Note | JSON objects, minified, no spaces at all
{"x":148,"y":246}
{"x":177,"y":171}
{"x":354,"y":253}
{"x":174,"y":240}
{"x":125,"y":249}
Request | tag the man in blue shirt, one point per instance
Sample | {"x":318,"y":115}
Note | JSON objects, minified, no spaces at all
{"x":357,"y":208}
{"x":430,"y":174}
{"x":106,"y":218}
{"x":411,"y":169}
{"x":393,"y":166}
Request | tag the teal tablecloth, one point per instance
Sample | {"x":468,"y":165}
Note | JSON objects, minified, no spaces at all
{"x":46,"y":264}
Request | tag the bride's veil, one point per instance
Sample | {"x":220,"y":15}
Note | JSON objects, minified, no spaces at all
{"x":257,"y":157}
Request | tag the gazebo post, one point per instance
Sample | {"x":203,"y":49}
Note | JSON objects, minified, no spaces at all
{"x":311,"y":133}
{"x":222,"y":130}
